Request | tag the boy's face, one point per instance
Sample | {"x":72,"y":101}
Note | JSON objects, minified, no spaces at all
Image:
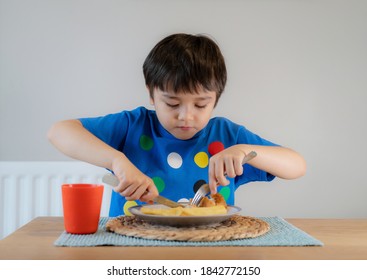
{"x":183,"y":114}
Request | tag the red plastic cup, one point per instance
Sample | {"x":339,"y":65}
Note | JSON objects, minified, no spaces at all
{"x":82,"y":207}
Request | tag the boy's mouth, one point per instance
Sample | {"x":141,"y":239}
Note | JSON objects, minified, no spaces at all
{"x":185,"y":128}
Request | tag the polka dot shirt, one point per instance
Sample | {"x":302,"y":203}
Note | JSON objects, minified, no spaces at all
{"x":177,"y":167}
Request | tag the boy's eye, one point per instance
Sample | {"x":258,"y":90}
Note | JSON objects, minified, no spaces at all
{"x":172,"y":105}
{"x":200,"y":106}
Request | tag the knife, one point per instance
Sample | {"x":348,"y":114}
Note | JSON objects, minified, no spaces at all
{"x":112,"y":180}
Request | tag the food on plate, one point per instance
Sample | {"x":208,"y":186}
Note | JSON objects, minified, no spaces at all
{"x":185,"y":211}
{"x":207,"y":207}
{"x":204,"y":211}
{"x":216,"y":199}
{"x":176,"y":211}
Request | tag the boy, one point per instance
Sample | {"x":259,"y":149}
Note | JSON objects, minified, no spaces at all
{"x":176,"y":148}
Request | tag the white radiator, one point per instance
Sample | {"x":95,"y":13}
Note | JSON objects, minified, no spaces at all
{"x":32,"y":189}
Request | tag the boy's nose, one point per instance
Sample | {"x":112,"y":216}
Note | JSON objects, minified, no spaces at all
{"x":185,"y":113}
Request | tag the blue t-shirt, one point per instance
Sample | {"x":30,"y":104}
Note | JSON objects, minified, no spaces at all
{"x":177,"y":167}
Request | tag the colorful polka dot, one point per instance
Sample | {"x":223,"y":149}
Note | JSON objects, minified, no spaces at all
{"x":198,"y":184}
{"x":215,"y":147}
{"x":127,"y":205}
{"x":146,"y":143}
{"x":159,"y":183}
{"x":174,"y":160}
{"x":183,"y":200}
{"x":225,"y":192}
{"x":201,"y":159}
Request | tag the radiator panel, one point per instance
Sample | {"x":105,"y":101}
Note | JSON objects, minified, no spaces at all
{"x":32,"y":189}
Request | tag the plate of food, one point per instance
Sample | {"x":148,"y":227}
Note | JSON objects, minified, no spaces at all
{"x":210,"y":211}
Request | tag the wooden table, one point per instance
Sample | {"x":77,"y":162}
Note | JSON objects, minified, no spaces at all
{"x":343,"y":239}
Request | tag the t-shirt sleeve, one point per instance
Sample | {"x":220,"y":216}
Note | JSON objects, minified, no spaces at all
{"x":251,"y":173}
{"x":111,"y":129}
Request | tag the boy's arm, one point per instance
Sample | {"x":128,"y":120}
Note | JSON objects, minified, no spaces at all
{"x":279,"y":161}
{"x":72,"y":139}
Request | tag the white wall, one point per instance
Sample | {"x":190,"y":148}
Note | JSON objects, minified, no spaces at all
{"x":297,"y":76}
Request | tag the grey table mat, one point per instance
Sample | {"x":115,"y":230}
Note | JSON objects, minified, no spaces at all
{"x":281,"y":233}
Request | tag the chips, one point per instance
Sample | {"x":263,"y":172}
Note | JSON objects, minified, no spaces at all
{"x":208,"y":207}
{"x":204,"y":211}
{"x":185,"y":211}
{"x":176,"y":211}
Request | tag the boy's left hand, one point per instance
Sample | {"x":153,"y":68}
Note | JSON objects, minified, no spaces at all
{"x":225,"y":163}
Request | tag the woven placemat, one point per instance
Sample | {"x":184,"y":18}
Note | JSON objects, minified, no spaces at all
{"x":236,"y":227}
{"x":281,"y":233}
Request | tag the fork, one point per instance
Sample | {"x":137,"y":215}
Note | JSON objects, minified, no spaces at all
{"x":204,"y":189}
{"x":200,"y":194}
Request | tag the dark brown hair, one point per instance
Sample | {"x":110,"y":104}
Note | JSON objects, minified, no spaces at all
{"x":184,"y":63}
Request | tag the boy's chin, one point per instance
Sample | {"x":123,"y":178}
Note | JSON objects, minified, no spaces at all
{"x":183,"y":136}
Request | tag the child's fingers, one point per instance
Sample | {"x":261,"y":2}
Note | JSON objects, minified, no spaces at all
{"x":219,"y":172}
{"x":212,"y":179}
{"x":238,"y":168}
{"x":213,"y":187}
{"x":120,"y":188}
{"x":136,"y":194}
{"x":129,"y":191}
{"x":229,"y":168}
{"x":149,"y":194}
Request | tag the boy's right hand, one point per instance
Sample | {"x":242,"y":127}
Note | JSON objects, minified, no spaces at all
{"x":134,"y":185}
